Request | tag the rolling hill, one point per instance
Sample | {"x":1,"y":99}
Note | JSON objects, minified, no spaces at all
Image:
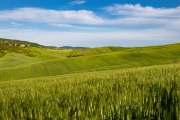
{"x":51,"y":62}
{"x":94,"y":83}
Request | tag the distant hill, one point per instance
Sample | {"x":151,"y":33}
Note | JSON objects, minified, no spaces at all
{"x":93,"y":51}
{"x":9,"y":46}
{"x":19,"y":42}
{"x":70,"y":47}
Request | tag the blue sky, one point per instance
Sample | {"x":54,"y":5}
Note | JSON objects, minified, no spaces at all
{"x":91,"y":23}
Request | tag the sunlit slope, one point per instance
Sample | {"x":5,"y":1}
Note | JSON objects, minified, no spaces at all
{"x":49,"y":54}
{"x":90,"y":51}
{"x":124,"y":58}
{"x":139,"y":93}
{"x":103,"y":50}
{"x":17,"y":59}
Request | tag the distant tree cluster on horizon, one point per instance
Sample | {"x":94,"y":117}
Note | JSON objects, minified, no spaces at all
{"x":9,"y":46}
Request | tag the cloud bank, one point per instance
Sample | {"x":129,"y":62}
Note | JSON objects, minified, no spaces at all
{"x":140,"y":11}
{"x":127,"y":14}
{"x":90,"y":39}
{"x":124,"y":23}
{"x":50,"y":16}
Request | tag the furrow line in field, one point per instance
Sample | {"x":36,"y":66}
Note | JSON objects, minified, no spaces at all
{"x":58,"y":71}
{"x":33,"y":70}
{"x":68,"y":68}
{"x":40,"y":68}
{"x":46,"y":69}
{"x":8,"y":74}
{"x":76,"y":65}
{"x":21,"y":73}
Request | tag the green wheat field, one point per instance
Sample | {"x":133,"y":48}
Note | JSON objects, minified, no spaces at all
{"x":106,"y":83}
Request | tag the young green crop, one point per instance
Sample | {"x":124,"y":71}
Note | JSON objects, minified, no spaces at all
{"x":139,"y":93}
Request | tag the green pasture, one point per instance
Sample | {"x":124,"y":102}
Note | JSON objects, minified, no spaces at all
{"x":49,"y":54}
{"x":17,"y":59}
{"x":147,"y":93}
{"x":105,"y":83}
{"x":49,"y":62}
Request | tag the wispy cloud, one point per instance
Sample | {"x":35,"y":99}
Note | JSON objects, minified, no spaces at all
{"x":16,"y":24}
{"x":73,"y":3}
{"x":51,"y":16}
{"x":77,"y":2}
{"x":150,"y":17}
{"x":131,"y":23}
{"x":138,"y":10}
{"x":64,"y":25}
{"x":77,"y":27}
{"x":92,"y":39}
{"x":130,"y":15}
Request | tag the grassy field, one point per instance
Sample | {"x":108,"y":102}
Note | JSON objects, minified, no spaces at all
{"x":151,"y":93}
{"x":16,"y":59}
{"x":107,"y":83}
{"x":49,"y":62}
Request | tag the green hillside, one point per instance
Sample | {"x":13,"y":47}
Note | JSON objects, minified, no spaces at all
{"x":150,"y":93}
{"x":17,"y":59}
{"x":51,"y":62}
{"x":91,"y":51}
{"x":105,"y":83}
{"x":102,"y":50}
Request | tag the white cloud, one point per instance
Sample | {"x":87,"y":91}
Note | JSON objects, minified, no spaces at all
{"x":91,"y":39}
{"x":86,"y":28}
{"x":51,"y":16}
{"x":73,"y":3}
{"x":135,"y":15}
{"x":76,"y":27}
{"x":16,"y":24}
{"x":64,"y":25}
{"x":77,"y":2}
{"x":138,"y":10}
